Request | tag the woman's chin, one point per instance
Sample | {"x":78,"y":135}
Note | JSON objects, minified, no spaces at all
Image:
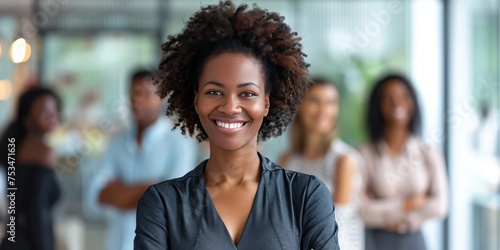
{"x":320,"y":130}
{"x":228,"y":145}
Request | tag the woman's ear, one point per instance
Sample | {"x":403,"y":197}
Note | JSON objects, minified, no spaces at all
{"x":267,"y":105}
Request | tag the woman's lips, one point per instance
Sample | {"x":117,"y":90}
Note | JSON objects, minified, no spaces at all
{"x":399,"y":113}
{"x":230,"y":125}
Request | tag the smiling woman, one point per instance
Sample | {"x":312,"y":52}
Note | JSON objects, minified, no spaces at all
{"x":234,"y":76}
{"x":404,"y":178}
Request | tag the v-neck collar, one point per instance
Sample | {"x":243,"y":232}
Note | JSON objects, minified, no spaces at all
{"x":252,"y":209}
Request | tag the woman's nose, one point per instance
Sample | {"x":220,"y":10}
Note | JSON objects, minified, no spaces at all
{"x":230,"y":105}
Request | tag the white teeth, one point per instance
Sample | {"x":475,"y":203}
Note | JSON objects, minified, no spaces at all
{"x":399,"y":113}
{"x":229,"y":125}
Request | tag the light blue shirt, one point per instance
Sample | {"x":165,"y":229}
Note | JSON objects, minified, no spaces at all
{"x":163,"y":154}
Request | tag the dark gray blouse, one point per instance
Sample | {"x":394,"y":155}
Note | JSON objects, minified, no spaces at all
{"x":290,"y":211}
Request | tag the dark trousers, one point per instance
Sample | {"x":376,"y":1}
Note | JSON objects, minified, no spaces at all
{"x":377,"y":239}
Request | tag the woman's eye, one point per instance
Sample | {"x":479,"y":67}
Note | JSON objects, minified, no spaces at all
{"x":248,"y":94}
{"x":314,"y":101}
{"x":214,"y":92}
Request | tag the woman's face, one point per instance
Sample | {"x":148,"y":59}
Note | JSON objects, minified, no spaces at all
{"x":231,"y":101}
{"x":44,"y":115}
{"x":396,"y":104}
{"x":319,"y":109}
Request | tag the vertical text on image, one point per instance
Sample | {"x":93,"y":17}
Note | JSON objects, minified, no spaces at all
{"x":11,"y":189}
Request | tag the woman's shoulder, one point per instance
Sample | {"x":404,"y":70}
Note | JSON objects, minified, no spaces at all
{"x":345,"y":150}
{"x":367,"y":146}
{"x":305,"y":188}
{"x":422,"y":145}
{"x":297,"y":181}
{"x":305,"y":181}
{"x":190,"y":180}
{"x":43,"y":157}
{"x":170,"y":194}
{"x":341,"y":146}
{"x":429,"y":151}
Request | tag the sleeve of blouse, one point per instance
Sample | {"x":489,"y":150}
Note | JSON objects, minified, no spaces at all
{"x":378,"y":212}
{"x":151,"y":229}
{"x":381,"y":212}
{"x":436,"y":205}
{"x":320,"y":231}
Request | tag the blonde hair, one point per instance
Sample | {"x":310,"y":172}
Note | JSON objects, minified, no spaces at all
{"x":298,"y":135}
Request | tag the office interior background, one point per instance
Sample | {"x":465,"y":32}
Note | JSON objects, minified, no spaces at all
{"x":450,"y":49}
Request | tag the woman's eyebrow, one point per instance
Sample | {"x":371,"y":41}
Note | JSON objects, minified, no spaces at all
{"x":241,"y":85}
{"x":214,"y":83}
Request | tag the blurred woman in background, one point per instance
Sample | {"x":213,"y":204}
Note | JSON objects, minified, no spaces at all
{"x":404,"y":180}
{"x":316,"y":149}
{"x":37,"y":189}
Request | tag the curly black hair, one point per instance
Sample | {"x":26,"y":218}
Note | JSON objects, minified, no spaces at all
{"x":222,"y":28}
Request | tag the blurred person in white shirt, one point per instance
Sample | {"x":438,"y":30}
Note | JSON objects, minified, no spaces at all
{"x":144,"y":154}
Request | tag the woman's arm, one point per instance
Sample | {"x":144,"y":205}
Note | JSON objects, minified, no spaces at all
{"x":151,"y":227}
{"x":320,"y":231}
{"x":391,"y":213}
{"x":374,"y":211}
{"x":122,"y":196}
{"x":437,"y":198}
{"x":381,"y":213}
{"x":344,"y":174}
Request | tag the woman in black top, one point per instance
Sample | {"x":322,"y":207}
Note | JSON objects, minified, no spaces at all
{"x":33,"y":171}
{"x":233,"y":77}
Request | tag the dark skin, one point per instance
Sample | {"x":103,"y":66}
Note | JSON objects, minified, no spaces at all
{"x":231,"y":103}
{"x":43,"y":118}
{"x":397,"y":107}
{"x":146,"y":107}
{"x":122,"y":196}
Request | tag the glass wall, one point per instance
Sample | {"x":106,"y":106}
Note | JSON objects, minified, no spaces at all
{"x":474,"y":120}
{"x":7,"y":28}
{"x":13,"y":76}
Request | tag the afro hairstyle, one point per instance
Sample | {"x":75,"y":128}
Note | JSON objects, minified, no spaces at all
{"x":220,"y":28}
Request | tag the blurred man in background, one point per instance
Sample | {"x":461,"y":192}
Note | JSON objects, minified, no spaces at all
{"x":146,"y":153}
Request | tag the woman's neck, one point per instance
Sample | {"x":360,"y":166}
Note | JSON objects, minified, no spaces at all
{"x":34,"y":149}
{"x":232,"y":167}
{"x":35,"y":137}
{"x":395,"y":138}
{"x":314,"y":145}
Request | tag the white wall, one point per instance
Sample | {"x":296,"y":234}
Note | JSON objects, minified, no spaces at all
{"x":427,"y":75}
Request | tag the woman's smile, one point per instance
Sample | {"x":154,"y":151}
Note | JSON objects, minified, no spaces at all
{"x":232,"y":126}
